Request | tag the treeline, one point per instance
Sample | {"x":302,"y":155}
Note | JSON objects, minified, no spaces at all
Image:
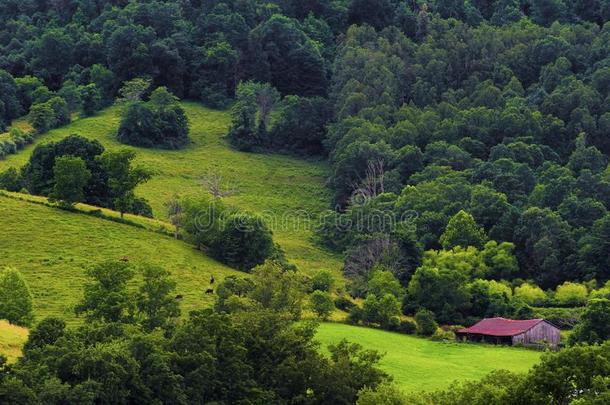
{"x":134,"y":347}
{"x":77,"y":169}
{"x":473,"y":142}
{"x":251,"y":346}
{"x":502,"y":121}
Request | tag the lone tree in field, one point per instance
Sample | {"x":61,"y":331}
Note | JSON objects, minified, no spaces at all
{"x":174,"y":212}
{"x":122,"y":178}
{"x":71,"y":176}
{"x":15,"y":298}
{"x":213,"y":182}
{"x":160,"y":123}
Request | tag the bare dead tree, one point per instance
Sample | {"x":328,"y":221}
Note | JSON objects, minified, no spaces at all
{"x":373,"y":182}
{"x":266,"y":98}
{"x":213,"y":183}
{"x":361,"y":259}
{"x":174,"y":212}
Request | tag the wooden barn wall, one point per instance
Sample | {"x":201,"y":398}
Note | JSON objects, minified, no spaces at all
{"x":541,"y":332}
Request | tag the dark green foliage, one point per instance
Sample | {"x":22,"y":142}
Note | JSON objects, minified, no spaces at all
{"x":123,"y":179}
{"x":42,"y":117}
{"x":321,"y":304}
{"x":243,"y":242}
{"x":90,"y":99}
{"x":46,"y":332}
{"x":426,"y":325}
{"x":155,"y":301}
{"x":594,"y":250}
{"x":281,"y":51}
{"x":38,"y":172}
{"x":10,"y":107}
{"x":253,"y":355}
{"x":161,"y":123}
{"x":564,"y":318}
{"x":323,"y":281}
{"x":70,"y":178}
{"x":10,"y":180}
{"x":239,"y":239}
{"x":106,"y":298}
{"x":154,"y":125}
{"x":594,"y":326}
{"x":300,"y":125}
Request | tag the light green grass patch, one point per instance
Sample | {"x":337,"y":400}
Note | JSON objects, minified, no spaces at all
{"x":283,"y":189}
{"x":419,"y":364}
{"x":53,"y":248}
{"x":12,"y":339}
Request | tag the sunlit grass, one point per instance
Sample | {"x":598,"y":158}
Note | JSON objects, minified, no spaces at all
{"x":12,"y":339}
{"x":283,"y":189}
{"x":419,"y":364}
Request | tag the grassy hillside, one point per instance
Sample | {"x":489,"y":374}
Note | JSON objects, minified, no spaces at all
{"x":52,"y":248}
{"x":282,"y":188}
{"x":420,"y":364}
{"x":12,"y":339}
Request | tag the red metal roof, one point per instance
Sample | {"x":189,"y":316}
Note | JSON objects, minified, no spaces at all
{"x":501,"y":327}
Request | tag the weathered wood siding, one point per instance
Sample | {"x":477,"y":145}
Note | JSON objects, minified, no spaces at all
{"x":542,"y":332}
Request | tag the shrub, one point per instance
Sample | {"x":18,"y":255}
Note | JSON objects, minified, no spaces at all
{"x":15,"y":298}
{"x":384,"y":393}
{"x":426,"y":325}
{"x":11,"y":180}
{"x":42,"y":117}
{"x":161,"y":123}
{"x":408,"y":327}
{"x":61,"y":112}
{"x":322,"y":304}
{"x":244,"y":242}
{"x":603,"y":292}
{"x":381,"y":310}
{"x":440,"y":335}
{"x":571,"y":294}
{"x":344,"y":303}
{"x":355,"y":316}
{"x":45,"y":333}
{"x":323,"y":281}
{"x":595,"y":324}
{"x":530,"y":294}
{"x":563,"y":318}
{"x":523,"y":311}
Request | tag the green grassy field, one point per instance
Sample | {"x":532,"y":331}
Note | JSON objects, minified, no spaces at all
{"x":423,"y":365}
{"x":283,"y":189}
{"x":53,"y":248}
{"x":12,"y":339}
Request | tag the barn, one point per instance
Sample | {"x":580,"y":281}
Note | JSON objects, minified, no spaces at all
{"x":511,"y":332}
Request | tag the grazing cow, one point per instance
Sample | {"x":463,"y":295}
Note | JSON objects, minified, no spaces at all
{"x":209,"y":291}
{"x":179,"y":297}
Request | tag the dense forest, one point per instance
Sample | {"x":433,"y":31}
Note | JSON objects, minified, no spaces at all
{"x":468,"y":145}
